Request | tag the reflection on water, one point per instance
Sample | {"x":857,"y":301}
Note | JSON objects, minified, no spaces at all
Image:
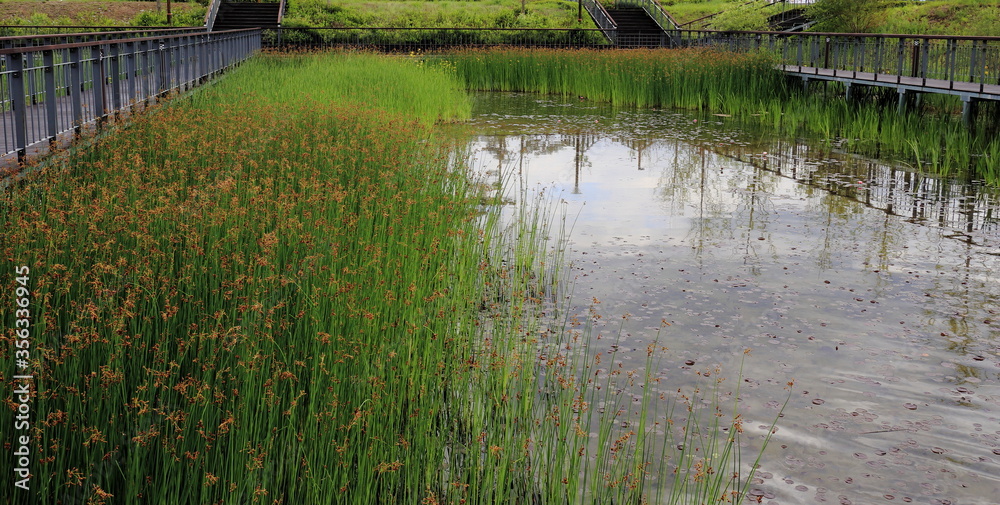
{"x":873,"y":287}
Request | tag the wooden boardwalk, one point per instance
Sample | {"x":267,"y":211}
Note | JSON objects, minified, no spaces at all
{"x":966,"y":90}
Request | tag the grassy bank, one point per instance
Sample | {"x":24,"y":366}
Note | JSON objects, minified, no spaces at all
{"x":98,"y":13}
{"x":746,"y":87}
{"x":280,"y":290}
{"x":438,"y":14}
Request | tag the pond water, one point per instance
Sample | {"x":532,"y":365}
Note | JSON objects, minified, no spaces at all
{"x":875,"y":289}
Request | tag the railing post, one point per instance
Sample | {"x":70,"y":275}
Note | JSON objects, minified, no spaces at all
{"x":19,"y":106}
{"x":826,"y":54}
{"x":925,"y":57}
{"x":130,"y":71}
{"x":97,"y":66}
{"x":142,"y":60}
{"x":50,"y":95}
{"x":951,"y":60}
{"x":116,"y":84}
{"x":915,"y":59}
{"x":162,"y":70}
{"x":76,"y":88}
{"x":203,"y":58}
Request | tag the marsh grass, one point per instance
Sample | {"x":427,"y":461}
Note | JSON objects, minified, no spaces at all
{"x":691,"y":78}
{"x":282,"y":289}
{"x":748,"y":88}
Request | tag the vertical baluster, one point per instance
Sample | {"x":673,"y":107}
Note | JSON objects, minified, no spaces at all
{"x":130,"y":71}
{"x":116,"y":80}
{"x":76,"y":88}
{"x":925,"y":57}
{"x":51,"y":109}
{"x":18,"y":105}
{"x":951,"y":61}
{"x":97,"y":71}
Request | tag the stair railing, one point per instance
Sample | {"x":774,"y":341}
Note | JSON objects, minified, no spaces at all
{"x":210,"y":15}
{"x":662,"y":18}
{"x":603,"y":20}
{"x":281,"y":17}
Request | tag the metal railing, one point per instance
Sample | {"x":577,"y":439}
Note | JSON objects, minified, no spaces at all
{"x":602,"y":19}
{"x":46,"y":91}
{"x":655,"y":11}
{"x":918,"y":60}
{"x":26,"y":31}
{"x":429,"y":39}
{"x":78,"y":37}
{"x":212,"y":13}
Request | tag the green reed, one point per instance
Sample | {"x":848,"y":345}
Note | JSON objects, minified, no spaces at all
{"x":698,"y":79}
{"x":282,"y":290}
{"x":749,"y":88}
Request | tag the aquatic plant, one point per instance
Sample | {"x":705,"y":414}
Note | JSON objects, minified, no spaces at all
{"x":282,"y":289}
{"x":690,"y":78}
{"x":748,"y":87}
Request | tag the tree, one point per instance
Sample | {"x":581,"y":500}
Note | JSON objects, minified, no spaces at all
{"x":850,"y":16}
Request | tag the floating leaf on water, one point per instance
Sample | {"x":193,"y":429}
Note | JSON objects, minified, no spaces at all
{"x":910,"y":406}
{"x":818,"y":401}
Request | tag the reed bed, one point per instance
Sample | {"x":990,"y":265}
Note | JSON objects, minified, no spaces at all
{"x":747,"y":87}
{"x":690,"y":79}
{"x":280,"y":290}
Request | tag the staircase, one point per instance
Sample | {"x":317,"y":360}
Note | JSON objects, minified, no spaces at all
{"x":637,"y":29}
{"x":235,"y":15}
{"x":791,"y":20}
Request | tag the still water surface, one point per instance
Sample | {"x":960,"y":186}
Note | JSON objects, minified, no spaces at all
{"x":873,"y":288}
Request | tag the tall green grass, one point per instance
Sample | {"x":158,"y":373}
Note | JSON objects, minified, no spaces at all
{"x":692,"y":79}
{"x":281,"y":290}
{"x":750,"y":89}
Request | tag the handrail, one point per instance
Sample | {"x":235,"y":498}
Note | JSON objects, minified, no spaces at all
{"x":945,"y":63}
{"x":212,"y":13}
{"x":37,"y":40}
{"x":662,"y":18}
{"x":50,"y":90}
{"x":281,"y":12}
{"x":602,"y":19}
{"x":71,"y":45}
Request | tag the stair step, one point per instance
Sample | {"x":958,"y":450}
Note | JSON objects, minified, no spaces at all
{"x":234,"y":15}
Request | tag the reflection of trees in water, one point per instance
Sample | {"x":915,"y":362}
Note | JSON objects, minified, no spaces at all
{"x":518,"y":149}
{"x":754,"y":211}
{"x":968,"y":209}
